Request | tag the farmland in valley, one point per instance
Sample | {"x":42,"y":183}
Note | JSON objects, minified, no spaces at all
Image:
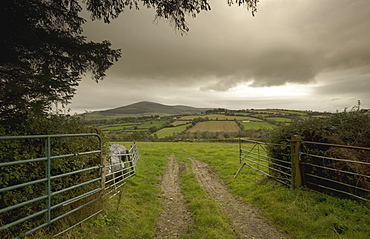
{"x":215,"y":126}
{"x":180,"y":122}
{"x":257,"y":125}
{"x":156,"y":123}
{"x":162,"y":133}
{"x":203,"y":124}
{"x":219,"y":117}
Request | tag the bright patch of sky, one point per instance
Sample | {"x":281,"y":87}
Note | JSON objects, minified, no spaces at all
{"x":311,"y":55}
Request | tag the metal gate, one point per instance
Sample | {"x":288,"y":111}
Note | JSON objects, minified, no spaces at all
{"x":340,"y":170}
{"x":119,"y":171}
{"x":254,"y":155}
{"x":43,"y":180}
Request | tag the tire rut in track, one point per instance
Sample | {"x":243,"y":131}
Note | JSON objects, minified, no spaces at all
{"x":175,"y":218}
{"x":246,"y":218}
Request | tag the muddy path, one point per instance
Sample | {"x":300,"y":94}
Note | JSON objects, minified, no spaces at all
{"x":175,"y":218}
{"x":246,"y":218}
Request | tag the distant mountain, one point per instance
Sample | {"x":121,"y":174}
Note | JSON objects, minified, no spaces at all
{"x":146,"y":107}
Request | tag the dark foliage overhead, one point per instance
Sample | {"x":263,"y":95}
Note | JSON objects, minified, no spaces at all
{"x":44,"y":54}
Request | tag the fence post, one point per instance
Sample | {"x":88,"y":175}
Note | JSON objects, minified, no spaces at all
{"x":240,"y":150}
{"x":129,"y":159}
{"x":296,"y":172}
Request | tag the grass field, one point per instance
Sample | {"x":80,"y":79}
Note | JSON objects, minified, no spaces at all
{"x":215,"y":126}
{"x":219,"y":117}
{"x":94,"y":116}
{"x":297,"y":112}
{"x":179,"y":122}
{"x":261,"y":115}
{"x":117,"y":126}
{"x":257,"y":125}
{"x":280,"y":119}
{"x":281,"y":111}
{"x":156,"y":123}
{"x":145,"y":125}
{"x":300,"y":213}
{"x":171,"y":130}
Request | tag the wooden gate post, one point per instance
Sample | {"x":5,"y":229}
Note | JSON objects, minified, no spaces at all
{"x":296,"y":172}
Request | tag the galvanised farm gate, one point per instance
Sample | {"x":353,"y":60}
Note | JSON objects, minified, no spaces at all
{"x":341,"y":170}
{"x":46,"y":178}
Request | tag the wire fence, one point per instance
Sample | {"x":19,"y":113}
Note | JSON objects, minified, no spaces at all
{"x":254,"y":154}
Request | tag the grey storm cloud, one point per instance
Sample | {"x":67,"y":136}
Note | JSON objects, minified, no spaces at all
{"x":287,"y":42}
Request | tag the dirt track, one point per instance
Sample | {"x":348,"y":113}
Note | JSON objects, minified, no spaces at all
{"x":175,"y":218}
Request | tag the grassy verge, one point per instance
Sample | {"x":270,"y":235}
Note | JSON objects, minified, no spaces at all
{"x":301,"y":213}
{"x":135,"y":216}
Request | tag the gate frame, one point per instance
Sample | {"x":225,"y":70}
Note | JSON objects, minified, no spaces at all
{"x":48,"y":191}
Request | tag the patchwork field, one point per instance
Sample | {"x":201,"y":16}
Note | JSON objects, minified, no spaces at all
{"x":215,"y":126}
{"x":279,"y":119}
{"x":156,"y":123}
{"x":219,"y":117}
{"x":117,"y":126}
{"x":179,"y":122}
{"x":257,"y":125}
{"x":171,"y":130}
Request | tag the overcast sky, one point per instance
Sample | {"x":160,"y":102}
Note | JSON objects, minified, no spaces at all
{"x":294,"y":54}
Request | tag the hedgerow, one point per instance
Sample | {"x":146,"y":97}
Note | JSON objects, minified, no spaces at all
{"x":347,"y":128}
{"x":22,"y":149}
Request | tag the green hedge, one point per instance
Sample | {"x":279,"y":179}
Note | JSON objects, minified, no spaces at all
{"x":21,"y":149}
{"x":352,"y":128}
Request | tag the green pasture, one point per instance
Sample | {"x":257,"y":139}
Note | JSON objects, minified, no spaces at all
{"x":257,"y":125}
{"x":260,"y":115}
{"x":242,"y":113}
{"x":281,"y":112}
{"x":280,"y":119}
{"x":215,"y":126}
{"x":299,"y":213}
{"x":117,"y":126}
{"x":297,"y":112}
{"x":95,"y":116}
{"x":303,"y":117}
{"x":130,"y":126}
{"x":156,"y":123}
{"x":179,"y":122}
{"x":171,"y":130}
{"x":219,"y":117}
